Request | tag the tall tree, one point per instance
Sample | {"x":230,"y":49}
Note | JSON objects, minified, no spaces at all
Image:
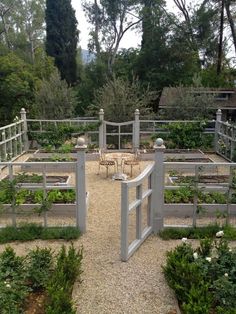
{"x":111,"y":20}
{"x":162,"y":60}
{"x":231,"y":19}
{"x":22,"y":26}
{"x":17,"y":87}
{"x":220,"y":48}
{"x":62,"y":37}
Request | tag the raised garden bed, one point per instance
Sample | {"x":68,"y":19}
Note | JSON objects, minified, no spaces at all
{"x":209,"y":179}
{"x":179,"y":202}
{"x":173,"y":154}
{"x":188,"y":164}
{"x":90,"y":154}
{"x":186,"y":210}
{"x":64,"y":164}
{"x":61,"y":206}
{"x":37,"y":180}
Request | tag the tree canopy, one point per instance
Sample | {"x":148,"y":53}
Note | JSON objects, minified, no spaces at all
{"x":38,"y":36}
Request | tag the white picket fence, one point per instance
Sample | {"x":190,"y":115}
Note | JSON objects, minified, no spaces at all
{"x":148,"y":198}
{"x":78,"y":209}
{"x":14,"y":137}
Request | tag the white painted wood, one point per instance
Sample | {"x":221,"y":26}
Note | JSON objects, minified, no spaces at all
{"x":81,"y":217}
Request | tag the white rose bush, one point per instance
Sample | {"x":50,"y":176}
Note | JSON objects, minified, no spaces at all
{"x":203,"y":278}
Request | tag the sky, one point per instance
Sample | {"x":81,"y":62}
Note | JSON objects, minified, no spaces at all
{"x":130,"y":39}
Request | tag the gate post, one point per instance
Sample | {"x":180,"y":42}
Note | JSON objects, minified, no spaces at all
{"x":101,"y":130}
{"x":158,"y":187}
{"x":217,"y":129}
{"x":136,"y":130}
{"x":81,"y":206}
{"x":25,"y":129}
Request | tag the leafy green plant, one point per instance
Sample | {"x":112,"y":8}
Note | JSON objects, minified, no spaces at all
{"x":68,"y":268}
{"x":32,"y":231}
{"x":13,"y":289}
{"x":66,"y":233}
{"x":56,"y":157}
{"x":39,"y":267}
{"x":55,"y":137}
{"x":39,"y":270}
{"x":186,"y":135}
{"x":185,"y":194}
{"x":65,"y":148}
{"x":204,"y":278}
{"x":208,"y":231}
{"x":44,"y":207}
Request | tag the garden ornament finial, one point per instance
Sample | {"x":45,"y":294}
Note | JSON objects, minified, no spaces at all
{"x":159,"y":142}
{"x":80,"y":141}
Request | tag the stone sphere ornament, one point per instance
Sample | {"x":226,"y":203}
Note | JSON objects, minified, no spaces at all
{"x":159,"y":142}
{"x":80,"y":141}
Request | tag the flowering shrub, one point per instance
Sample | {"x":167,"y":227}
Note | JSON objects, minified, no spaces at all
{"x":204,"y":279}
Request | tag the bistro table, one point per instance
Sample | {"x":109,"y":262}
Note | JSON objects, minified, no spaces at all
{"x":119,"y":158}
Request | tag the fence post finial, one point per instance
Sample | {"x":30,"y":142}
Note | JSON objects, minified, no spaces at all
{"x":25,"y":129}
{"x":81,"y":194}
{"x":158,"y":186}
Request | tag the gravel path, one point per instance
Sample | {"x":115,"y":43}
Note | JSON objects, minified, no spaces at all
{"x":109,"y":285}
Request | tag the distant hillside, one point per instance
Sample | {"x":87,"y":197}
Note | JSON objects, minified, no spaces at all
{"x":87,"y":56}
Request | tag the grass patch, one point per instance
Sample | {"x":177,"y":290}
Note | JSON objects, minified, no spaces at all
{"x":198,"y":232}
{"x":29,"y":232}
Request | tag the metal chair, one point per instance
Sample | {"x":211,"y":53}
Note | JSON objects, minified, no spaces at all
{"x":105,"y":163}
{"x":133,"y":162}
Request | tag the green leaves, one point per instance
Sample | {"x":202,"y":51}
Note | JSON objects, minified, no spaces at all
{"x":39,"y":270}
{"x":68,"y":268}
{"x":204,"y":279}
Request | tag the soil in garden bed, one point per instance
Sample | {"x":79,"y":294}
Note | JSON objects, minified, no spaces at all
{"x":56,"y":151}
{"x":48,"y":159}
{"x":175,"y":151}
{"x":202,"y":179}
{"x":186,"y":159}
{"x":35,"y":303}
{"x":39,"y":179}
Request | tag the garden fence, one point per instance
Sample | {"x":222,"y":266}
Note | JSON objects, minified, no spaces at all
{"x":17,"y":211}
{"x":225,"y":138}
{"x":13,"y":138}
{"x":146,"y":209}
{"x":17,"y":137}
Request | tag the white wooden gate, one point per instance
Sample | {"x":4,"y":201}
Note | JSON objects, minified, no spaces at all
{"x":117,"y":135}
{"x":144,"y":195}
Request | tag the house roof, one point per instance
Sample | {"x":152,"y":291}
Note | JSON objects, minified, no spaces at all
{"x":224,"y":98}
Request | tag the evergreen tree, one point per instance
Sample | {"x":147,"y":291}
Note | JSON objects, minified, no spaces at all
{"x":62,"y":37}
{"x":162,"y":60}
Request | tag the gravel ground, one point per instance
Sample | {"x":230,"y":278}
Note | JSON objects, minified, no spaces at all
{"x":109,"y":285}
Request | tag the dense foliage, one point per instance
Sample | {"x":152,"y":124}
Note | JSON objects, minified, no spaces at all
{"x":62,"y":37}
{"x":208,"y":231}
{"x":204,"y":279}
{"x":29,"y":232}
{"x":39,"y":271}
{"x":175,"y":47}
{"x":185,"y":135}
